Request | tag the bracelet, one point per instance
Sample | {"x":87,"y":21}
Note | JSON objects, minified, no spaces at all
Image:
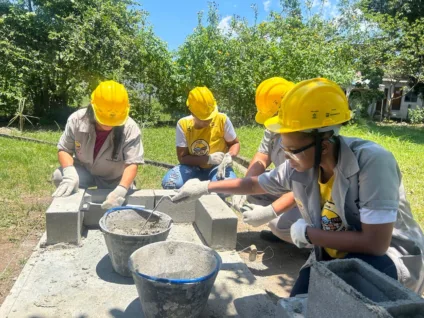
{"x":306,"y":236}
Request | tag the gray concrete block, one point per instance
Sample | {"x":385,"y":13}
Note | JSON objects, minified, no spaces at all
{"x":363,"y":290}
{"x":293,"y":307}
{"x":412,"y":310}
{"x":96,"y":195}
{"x":64,"y":219}
{"x":216,"y":222}
{"x":145,"y":198}
{"x":92,"y":214}
{"x":179,"y":212}
{"x":91,"y":207}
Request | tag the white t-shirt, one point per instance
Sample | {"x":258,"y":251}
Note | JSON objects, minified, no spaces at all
{"x":229,"y":133}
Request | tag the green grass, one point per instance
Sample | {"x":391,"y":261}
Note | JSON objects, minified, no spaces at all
{"x":26,"y":168}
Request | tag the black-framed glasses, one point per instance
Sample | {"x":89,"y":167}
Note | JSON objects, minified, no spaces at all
{"x":292,"y":153}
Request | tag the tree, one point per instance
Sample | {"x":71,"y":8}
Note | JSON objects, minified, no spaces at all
{"x":59,"y":50}
{"x":289,"y":43}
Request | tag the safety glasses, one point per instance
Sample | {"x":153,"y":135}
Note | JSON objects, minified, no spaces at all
{"x":294,"y":154}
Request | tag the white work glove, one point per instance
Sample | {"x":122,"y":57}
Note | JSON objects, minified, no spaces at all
{"x":259,"y":215}
{"x":115,"y":198}
{"x":192,"y":190}
{"x":226,"y":162}
{"x":238,"y":201}
{"x":297,"y":233}
{"x":69,"y":183}
{"x":215,"y":158}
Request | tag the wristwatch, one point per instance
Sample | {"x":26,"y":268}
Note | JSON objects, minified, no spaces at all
{"x":306,"y":236}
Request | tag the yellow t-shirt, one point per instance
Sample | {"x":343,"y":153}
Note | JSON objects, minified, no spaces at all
{"x":205,"y":141}
{"x":330,"y":220}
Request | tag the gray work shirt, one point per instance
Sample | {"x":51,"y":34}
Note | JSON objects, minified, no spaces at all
{"x":270,"y":145}
{"x":366,"y":177}
{"x":79,"y":139}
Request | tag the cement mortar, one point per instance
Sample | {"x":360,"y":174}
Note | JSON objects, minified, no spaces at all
{"x":127,"y":235}
{"x":174,"y":260}
{"x":131,"y":222}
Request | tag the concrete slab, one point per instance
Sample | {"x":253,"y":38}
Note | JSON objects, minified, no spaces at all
{"x":66,"y":281}
{"x":179,"y":212}
{"x":64,"y":219}
{"x":216,"y":222}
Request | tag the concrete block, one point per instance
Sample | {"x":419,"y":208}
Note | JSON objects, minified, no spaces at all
{"x":96,"y":195}
{"x":93,"y":199}
{"x":412,"y":310}
{"x":64,"y":219}
{"x":180,"y":212}
{"x":363,"y":291}
{"x":216,"y":222}
{"x":145,"y":198}
{"x":293,"y":307}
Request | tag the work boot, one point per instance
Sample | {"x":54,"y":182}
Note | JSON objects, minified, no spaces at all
{"x":269,"y":236}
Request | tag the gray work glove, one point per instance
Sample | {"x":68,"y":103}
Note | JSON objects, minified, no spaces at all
{"x":115,"y":198}
{"x":192,"y":190}
{"x":297,"y":233}
{"x":238,"y":201}
{"x":259,"y":215}
{"x":226,"y":162}
{"x":215,"y":158}
{"x":69,"y":183}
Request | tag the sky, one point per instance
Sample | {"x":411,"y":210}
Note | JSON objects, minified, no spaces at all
{"x":174,"y":20}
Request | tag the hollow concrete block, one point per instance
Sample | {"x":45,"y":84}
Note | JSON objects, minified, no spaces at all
{"x":363,"y":291}
{"x":216,"y":222}
{"x":93,"y":198}
{"x":64,"y":219}
{"x":183,"y":212}
{"x":143,"y":197}
{"x":411,"y":310}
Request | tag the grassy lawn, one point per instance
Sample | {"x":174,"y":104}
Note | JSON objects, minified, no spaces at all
{"x":26,"y":167}
{"x":405,"y":142}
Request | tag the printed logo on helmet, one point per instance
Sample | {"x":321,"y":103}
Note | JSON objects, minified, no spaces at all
{"x":200,"y":147}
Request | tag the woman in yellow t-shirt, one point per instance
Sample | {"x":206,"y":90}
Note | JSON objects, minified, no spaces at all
{"x":206,"y":142}
{"x":349,"y":191}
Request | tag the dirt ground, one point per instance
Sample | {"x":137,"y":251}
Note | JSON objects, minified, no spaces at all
{"x":17,"y":242}
{"x":13,"y":258}
{"x":277,"y":268}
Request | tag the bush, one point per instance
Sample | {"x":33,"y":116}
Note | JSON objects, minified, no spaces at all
{"x":416,"y":116}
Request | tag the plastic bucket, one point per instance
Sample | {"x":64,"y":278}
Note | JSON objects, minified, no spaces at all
{"x":173,"y":278}
{"x":121,"y":227}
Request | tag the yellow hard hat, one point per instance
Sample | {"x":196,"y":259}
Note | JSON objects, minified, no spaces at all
{"x":110,"y":103}
{"x":268,"y":97}
{"x":201,"y":103}
{"x":311,"y":104}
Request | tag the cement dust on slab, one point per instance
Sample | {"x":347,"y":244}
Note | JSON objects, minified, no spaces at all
{"x":277,"y":264}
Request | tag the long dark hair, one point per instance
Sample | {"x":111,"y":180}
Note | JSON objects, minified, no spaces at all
{"x":118,"y":131}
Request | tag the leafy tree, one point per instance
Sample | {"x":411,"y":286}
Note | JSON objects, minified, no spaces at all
{"x":395,"y":44}
{"x":290,"y":43}
{"x":57,"y":51}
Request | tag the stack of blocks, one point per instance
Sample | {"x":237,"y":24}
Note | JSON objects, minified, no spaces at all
{"x":216,"y":222}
